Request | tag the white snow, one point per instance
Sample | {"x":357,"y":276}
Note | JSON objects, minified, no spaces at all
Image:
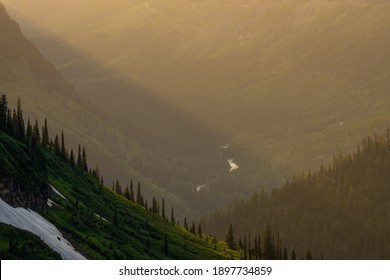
{"x":57,"y":192}
{"x":225,"y":146}
{"x":233,"y":166}
{"x":100,"y":217}
{"x":50,"y":203}
{"x":31,"y":221}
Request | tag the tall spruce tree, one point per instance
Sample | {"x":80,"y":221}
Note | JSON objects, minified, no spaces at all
{"x":3,"y":112}
{"x":45,"y":135}
{"x":230,"y":238}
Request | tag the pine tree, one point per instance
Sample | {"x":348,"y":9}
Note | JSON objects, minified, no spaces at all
{"x":192,"y":229}
{"x":172,"y":217}
{"x":139,"y":199}
{"x":45,"y":135}
{"x":20,"y":131}
{"x":127,"y":193}
{"x":3,"y":112}
{"x":200,"y":231}
{"x":84,"y":161}
{"x":64,"y":153}
{"x":185,"y":225}
{"x":163,"y":209}
{"x":230,"y":238}
{"x":57,"y":148}
{"x":79,"y":161}
{"x":118,"y":188}
{"x":132,"y":196}
{"x":71,"y":159}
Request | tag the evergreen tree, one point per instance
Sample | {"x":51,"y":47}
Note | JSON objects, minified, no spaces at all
{"x":230,"y":238}
{"x":192,"y":229}
{"x":64,"y":154}
{"x":139,"y":200}
{"x":172,"y":217}
{"x":185,"y":223}
{"x":84,"y":160}
{"x":57,"y":148}
{"x":45,"y":135}
{"x":127,"y":193}
{"x":118,"y":188}
{"x":163,"y":209}
{"x":79,"y":161}
{"x":132,"y":196}
{"x":3,"y":113}
{"x":20,"y":131}
{"x":10,"y":127}
{"x":71,"y":159}
{"x":200,"y":230}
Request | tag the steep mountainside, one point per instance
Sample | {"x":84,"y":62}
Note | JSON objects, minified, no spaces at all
{"x":292,"y":81}
{"x":99,"y":223}
{"x":167,"y":151}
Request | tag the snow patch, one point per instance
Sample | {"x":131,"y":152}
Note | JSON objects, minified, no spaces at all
{"x":57,"y":192}
{"x":31,"y":221}
{"x":51,"y":203}
{"x":100,"y":217}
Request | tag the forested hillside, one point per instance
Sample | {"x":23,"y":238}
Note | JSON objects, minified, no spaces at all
{"x":340,"y":211}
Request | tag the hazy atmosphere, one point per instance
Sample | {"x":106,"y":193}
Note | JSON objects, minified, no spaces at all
{"x":214,"y":111}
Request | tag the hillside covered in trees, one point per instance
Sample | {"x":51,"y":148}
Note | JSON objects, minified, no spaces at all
{"x":341,"y":211}
{"x":40,"y":173}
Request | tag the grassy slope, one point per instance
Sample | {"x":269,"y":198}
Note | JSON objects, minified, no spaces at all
{"x":94,"y":237}
{"x":99,"y":239}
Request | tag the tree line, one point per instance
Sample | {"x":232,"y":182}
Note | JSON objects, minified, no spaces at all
{"x":340,"y":211}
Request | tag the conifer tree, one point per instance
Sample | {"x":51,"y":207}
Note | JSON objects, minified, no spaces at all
{"x":139,"y":199}
{"x":200,"y":231}
{"x":20,"y":133}
{"x":57,"y":148}
{"x":127,"y":193}
{"x":84,"y":160}
{"x":192,"y":229}
{"x":71,"y":159}
{"x":132,"y":196}
{"x":3,"y":112}
{"x":10,"y":127}
{"x":163,"y":209}
{"x":118,"y":188}
{"x":79,"y":161}
{"x":230,"y":238}
{"x":63,"y":147}
{"x":185,"y":223}
{"x":172,"y":217}
{"x":45,"y":135}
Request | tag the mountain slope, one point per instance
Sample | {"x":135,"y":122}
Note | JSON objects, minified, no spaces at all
{"x":143,"y":139}
{"x":101,"y":224}
{"x":341,"y":211}
{"x":290,"y":81}
{"x":25,"y":73}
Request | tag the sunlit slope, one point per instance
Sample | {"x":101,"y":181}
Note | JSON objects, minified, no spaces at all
{"x":99,"y":223}
{"x":25,"y":73}
{"x":296,"y":80}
